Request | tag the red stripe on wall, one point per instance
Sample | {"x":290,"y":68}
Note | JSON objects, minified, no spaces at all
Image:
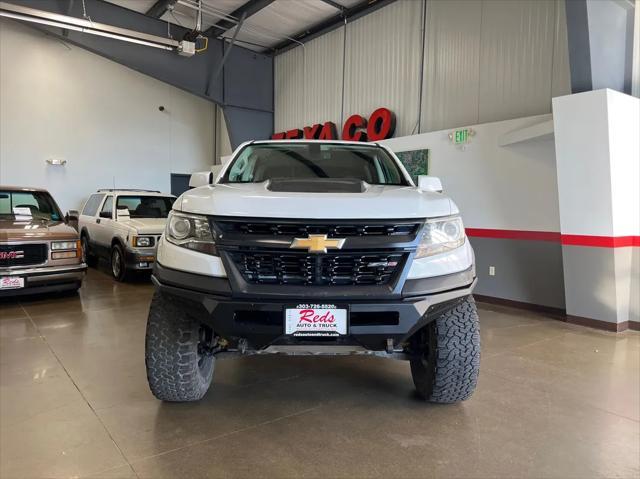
{"x":601,"y":241}
{"x":555,"y":237}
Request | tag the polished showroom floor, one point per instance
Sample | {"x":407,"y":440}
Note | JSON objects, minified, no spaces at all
{"x":554,"y":400}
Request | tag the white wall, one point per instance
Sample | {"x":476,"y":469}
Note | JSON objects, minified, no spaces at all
{"x":496,"y":187}
{"x":59,"y":101}
{"x":635,"y":71}
{"x":484,"y":60}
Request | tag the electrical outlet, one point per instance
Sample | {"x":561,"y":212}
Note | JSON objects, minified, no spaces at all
{"x":492,"y":270}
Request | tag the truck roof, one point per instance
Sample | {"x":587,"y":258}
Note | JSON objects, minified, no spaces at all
{"x":21,"y":188}
{"x":127,"y":191}
{"x":323,"y":142}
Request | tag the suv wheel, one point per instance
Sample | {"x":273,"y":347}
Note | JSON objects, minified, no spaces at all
{"x":178,"y":368}
{"x":87,"y":256}
{"x":118,"y":267}
{"x":449,"y":363}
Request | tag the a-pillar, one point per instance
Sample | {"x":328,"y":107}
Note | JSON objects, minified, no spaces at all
{"x":597,"y":136}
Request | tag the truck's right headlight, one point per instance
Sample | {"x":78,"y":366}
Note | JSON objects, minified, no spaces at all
{"x":441,"y":235}
{"x":190,"y":231}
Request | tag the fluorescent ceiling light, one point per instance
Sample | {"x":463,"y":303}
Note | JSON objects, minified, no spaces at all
{"x":51,"y":23}
{"x":126,"y":39}
{"x":42,"y":17}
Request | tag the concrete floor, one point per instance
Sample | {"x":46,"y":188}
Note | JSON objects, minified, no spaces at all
{"x":554,"y":400}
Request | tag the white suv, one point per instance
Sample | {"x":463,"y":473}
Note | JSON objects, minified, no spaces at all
{"x":123,"y":226}
{"x":314,"y":247}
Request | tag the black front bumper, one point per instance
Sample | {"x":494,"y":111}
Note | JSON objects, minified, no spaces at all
{"x":139,"y":260}
{"x":376,"y":323}
{"x":39,"y":280}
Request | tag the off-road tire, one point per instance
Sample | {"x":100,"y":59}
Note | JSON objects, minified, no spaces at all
{"x":119,"y":272}
{"x":175,"y":370}
{"x":449,"y":363}
{"x":89,"y":258}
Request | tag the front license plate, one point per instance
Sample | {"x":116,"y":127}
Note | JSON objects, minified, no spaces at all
{"x":316,"y":320}
{"x":11,"y":282}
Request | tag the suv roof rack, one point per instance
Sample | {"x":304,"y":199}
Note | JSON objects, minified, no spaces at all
{"x":103,"y":190}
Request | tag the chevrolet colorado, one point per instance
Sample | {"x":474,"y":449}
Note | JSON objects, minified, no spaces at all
{"x":313,"y":247}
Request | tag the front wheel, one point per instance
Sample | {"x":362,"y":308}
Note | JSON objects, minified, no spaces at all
{"x":447,"y":368}
{"x":88,"y":257}
{"x":118,"y":266}
{"x":179,"y":367}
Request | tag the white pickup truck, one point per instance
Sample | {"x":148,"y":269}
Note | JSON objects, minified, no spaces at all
{"x":313,"y":247}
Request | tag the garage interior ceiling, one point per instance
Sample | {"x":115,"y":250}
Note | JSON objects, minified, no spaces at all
{"x":269,"y":24}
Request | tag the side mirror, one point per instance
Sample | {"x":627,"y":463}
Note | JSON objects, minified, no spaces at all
{"x":105,"y":214}
{"x":201,"y":178}
{"x":215,"y":169}
{"x":430,"y":183}
{"x":71,"y":216}
{"x":123,"y":213}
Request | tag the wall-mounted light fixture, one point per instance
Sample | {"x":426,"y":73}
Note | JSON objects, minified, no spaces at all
{"x":52,"y":161}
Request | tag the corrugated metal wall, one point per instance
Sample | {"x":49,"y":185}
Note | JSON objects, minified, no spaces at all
{"x":452,"y":64}
{"x":289,"y":88}
{"x":516,"y":55}
{"x":323,"y":79}
{"x":483,"y":60}
{"x":308,"y":83}
{"x":382,"y":65}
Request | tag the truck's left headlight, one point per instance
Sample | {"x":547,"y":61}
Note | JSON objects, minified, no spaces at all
{"x":142,"y":241}
{"x":65,"y":249}
{"x":441,"y":235}
{"x":190,"y":231}
{"x":64,"y":245}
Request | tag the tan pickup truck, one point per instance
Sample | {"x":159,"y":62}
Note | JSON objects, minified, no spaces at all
{"x":39,"y":251}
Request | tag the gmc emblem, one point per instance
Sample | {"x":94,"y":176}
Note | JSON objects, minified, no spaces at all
{"x":11,"y":254}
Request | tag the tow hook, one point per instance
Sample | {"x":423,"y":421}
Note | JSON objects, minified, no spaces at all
{"x":389,"y":346}
{"x":222,"y":346}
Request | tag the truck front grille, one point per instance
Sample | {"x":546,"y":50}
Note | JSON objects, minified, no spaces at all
{"x":277,"y":228}
{"x":332,"y":269}
{"x":27,"y":254}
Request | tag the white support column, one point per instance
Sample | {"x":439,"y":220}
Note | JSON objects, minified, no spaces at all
{"x":635,"y":74}
{"x":597,"y":137}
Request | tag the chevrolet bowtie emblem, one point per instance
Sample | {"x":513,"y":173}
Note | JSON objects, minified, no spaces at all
{"x":317,"y":243}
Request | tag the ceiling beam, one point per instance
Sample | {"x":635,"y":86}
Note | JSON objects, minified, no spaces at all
{"x":247,"y":9}
{"x":160,"y":8}
{"x":347,"y":15}
{"x":335,"y":4}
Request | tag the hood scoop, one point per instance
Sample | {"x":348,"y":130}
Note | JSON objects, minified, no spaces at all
{"x":316,"y":185}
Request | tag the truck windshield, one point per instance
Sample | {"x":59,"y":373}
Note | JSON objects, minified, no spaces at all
{"x":259,"y":162}
{"x":16,"y":204}
{"x":146,"y":206}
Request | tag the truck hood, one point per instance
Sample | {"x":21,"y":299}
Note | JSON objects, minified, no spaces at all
{"x":256,"y":200}
{"x":30,"y":229}
{"x":150,"y":226}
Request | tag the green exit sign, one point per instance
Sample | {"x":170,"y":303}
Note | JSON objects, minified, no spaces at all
{"x":461,"y":136}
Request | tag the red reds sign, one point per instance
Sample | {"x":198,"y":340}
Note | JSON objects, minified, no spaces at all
{"x":379,"y":126}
